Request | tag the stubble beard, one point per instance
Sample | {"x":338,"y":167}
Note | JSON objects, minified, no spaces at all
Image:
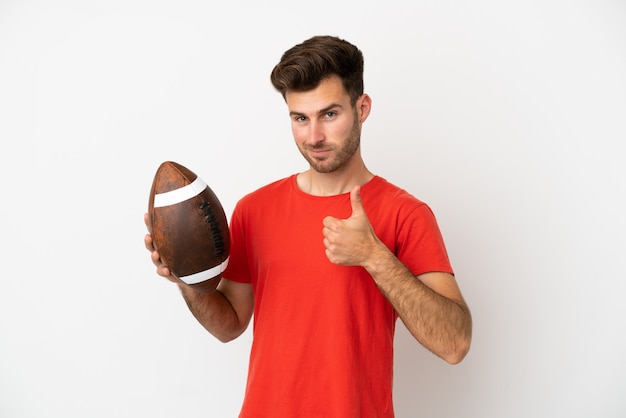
{"x":341,"y":155}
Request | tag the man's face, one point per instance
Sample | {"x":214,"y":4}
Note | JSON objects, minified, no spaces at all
{"x":326,"y":128}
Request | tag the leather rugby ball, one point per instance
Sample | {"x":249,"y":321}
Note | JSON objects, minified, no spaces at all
{"x":188,"y":226}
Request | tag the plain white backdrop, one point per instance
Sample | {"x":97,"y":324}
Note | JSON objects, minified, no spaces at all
{"x":508,"y":118}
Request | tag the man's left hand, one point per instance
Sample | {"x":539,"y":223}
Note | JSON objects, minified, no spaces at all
{"x":351,"y":241}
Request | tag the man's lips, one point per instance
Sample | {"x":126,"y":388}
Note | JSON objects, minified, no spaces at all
{"x":319,"y":152}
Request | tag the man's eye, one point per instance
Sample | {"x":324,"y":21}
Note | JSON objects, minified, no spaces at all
{"x":330,"y":115}
{"x":300,"y":118}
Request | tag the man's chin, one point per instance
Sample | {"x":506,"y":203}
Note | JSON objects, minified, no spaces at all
{"x":323,"y":168}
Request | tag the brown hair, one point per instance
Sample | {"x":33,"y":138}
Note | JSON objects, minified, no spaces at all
{"x":305,"y":65}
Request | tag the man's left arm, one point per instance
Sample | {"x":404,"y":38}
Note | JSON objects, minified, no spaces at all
{"x":430,"y":305}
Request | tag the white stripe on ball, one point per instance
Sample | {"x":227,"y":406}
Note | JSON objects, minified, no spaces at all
{"x":206,"y":274}
{"x":180,"y":195}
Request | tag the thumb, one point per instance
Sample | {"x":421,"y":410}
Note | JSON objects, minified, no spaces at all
{"x":355,"y":200}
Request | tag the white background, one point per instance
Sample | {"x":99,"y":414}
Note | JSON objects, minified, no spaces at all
{"x":508,"y":118}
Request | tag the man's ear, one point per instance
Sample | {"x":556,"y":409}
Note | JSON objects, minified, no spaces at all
{"x":364,"y":106}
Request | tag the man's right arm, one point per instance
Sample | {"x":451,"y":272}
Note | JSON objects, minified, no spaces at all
{"x":225,"y":313}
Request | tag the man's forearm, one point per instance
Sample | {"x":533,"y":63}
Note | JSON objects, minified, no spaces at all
{"x":440,"y":323}
{"x":215,"y":312}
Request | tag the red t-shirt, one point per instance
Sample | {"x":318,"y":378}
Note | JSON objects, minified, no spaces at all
{"x":322,"y":333}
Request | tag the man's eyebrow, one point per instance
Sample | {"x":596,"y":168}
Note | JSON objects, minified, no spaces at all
{"x":329,"y":108}
{"x":320,"y":112}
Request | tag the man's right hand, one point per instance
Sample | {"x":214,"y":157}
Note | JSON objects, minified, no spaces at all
{"x":225,"y":313}
{"x":161,"y":269}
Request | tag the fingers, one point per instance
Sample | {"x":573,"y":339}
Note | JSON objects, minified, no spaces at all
{"x":147,"y":241}
{"x":164,"y":271}
{"x":355,"y":200}
{"x":357,"y":208}
{"x":347,"y":241}
{"x":161,"y":268}
{"x":329,"y":221}
{"x":146,"y":220}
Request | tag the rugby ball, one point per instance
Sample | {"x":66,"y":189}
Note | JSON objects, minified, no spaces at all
{"x":188,"y":226}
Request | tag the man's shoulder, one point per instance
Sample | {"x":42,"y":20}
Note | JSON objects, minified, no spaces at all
{"x":269,"y":191}
{"x":383,"y":190}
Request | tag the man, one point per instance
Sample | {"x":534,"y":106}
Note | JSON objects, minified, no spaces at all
{"x":328,"y":259}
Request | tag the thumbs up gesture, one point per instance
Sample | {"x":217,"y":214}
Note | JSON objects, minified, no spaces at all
{"x":351,"y":241}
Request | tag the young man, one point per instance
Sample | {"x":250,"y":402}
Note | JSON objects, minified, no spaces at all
{"x":328,"y":259}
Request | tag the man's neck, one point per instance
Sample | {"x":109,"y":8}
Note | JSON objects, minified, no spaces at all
{"x":334,"y":183}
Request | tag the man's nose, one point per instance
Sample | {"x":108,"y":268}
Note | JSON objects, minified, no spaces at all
{"x":316,"y":133}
